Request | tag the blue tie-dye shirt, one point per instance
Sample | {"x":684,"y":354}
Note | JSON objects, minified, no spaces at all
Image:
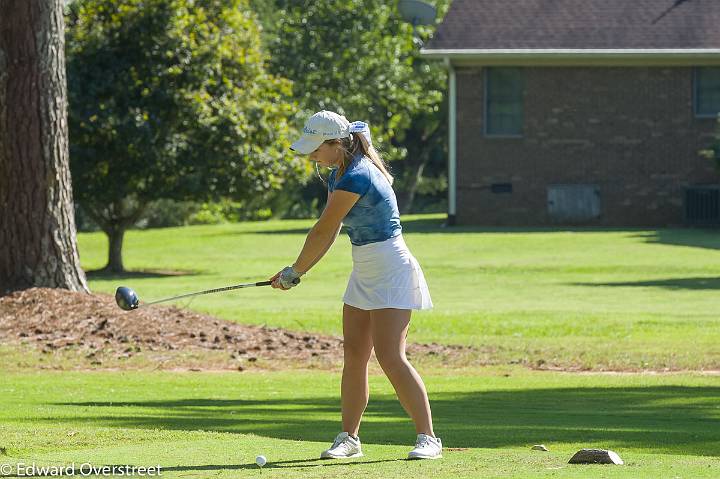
{"x":375,"y":217}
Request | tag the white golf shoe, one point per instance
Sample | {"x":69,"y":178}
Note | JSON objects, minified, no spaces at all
{"x":426,"y":447}
{"x":344,"y":447}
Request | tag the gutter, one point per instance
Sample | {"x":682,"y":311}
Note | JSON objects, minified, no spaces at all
{"x":452,"y":143}
{"x":533,"y":56}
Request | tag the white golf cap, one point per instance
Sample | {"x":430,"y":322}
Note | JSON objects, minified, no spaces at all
{"x":323,"y":125}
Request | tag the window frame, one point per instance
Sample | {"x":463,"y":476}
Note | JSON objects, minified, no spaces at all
{"x":486,"y":108}
{"x":696,"y":96}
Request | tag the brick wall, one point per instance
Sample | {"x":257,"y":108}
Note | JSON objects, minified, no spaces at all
{"x":630,"y":131}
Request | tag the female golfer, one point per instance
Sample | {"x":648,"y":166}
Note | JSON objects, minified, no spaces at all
{"x":386,"y":282}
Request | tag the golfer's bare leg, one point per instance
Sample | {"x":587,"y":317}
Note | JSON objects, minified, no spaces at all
{"x":389,"y":331}
{"x":357,"y":345}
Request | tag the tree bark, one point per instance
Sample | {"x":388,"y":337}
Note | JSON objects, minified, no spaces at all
{"x":114,"y":219}
{"x":115,"y":242}
{"x":38,"y":239}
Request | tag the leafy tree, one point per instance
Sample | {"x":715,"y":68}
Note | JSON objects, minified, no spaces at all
{"x":171,"y":99}
{"x":359,"y":58}
{"x":37,"y":227}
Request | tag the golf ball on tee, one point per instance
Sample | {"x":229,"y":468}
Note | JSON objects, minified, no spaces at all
{"x":260,"y":461}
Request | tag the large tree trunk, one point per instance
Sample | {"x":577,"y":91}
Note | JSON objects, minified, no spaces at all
{"x":115,"y":219}
{"x":115,"y":242}
{"x":38,"y":243}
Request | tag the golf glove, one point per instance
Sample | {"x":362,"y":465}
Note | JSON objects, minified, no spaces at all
{"x":289,"y":277}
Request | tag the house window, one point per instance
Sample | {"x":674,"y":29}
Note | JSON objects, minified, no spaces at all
{"x":707,"y":92}
{"x":504,"y":101}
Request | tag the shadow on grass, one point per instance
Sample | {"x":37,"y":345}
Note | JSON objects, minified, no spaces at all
{"x":140,"y":274}
{"x":672,"y":284}
{"x":294,"y":464}
{"x":438,"y":225}
{"x":691,"y":237}
{"x":670,"y":419}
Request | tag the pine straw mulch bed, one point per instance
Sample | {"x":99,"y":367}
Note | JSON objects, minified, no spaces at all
{"x":77,"y":331}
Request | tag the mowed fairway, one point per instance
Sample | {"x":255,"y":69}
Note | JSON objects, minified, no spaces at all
{"x":588,"y":299}
{"x":601,"y":300}
{"x":214,"y":424}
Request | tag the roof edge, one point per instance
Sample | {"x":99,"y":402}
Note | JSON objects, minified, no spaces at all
{"x":569,"y":51}
{"x":572,"y":56}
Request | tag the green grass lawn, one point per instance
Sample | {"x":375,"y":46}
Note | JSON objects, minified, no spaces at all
{"x":214,"y":424}
{"x":583,"y":298}
{"x":595,"y":299}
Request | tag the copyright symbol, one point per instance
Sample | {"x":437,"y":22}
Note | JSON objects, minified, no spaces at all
{"x":6,"y":469}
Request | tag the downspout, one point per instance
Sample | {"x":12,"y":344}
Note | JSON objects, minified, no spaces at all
{"x":452,"y":139}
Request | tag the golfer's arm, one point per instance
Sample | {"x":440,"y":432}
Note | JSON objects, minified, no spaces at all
{"x":327,"y":247}
{"x":317,"y":243}
{"x":332,"y":239}
{"x":323,"y":234}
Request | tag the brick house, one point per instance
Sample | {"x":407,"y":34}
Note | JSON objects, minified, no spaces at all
{"x":586,"y":112}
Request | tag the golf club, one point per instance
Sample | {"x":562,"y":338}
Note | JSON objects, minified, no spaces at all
{"x":128,"y":300}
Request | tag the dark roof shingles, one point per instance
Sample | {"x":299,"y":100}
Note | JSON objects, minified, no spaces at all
{"x":579,"y":24}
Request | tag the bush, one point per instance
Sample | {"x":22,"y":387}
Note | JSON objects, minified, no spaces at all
{"x":167,"y":213}
{"x":228,"y":211}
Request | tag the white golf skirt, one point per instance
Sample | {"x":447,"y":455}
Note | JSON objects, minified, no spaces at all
{"x":386,"y":275}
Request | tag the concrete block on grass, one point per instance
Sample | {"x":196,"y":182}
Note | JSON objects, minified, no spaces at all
{"x":595,"y":456}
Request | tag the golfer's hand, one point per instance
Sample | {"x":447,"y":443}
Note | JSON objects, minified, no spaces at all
{"x":275,"y":281}
{"x":286,"y":278}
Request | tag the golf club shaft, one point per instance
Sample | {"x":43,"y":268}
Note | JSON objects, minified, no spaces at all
{"x":209,"y":291}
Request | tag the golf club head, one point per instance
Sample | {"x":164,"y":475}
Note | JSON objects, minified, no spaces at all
{"x":126,"y":298}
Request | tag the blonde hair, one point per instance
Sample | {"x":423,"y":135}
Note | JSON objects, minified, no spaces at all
{"x":357,"y":143}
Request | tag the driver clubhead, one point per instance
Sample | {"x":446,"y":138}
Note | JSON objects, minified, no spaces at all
{"x":126,"y":298}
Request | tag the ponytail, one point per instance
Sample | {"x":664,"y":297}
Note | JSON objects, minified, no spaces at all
{"x":357,"y":143}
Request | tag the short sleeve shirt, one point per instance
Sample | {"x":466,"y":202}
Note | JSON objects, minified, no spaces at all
{"x":375,"y":216}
